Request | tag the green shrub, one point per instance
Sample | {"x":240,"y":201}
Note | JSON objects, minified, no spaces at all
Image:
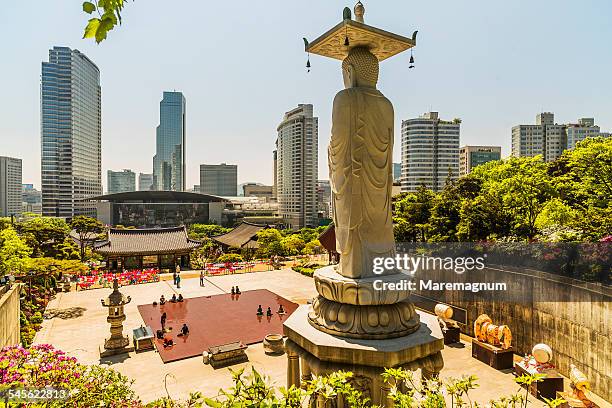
{"x":230,"y":258}
{"x":37,"y":318}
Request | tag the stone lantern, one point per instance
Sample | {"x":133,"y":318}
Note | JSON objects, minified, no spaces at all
{"x":117,"y":343}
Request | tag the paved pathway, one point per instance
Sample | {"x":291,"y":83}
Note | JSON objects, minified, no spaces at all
{"x":82,"y":327}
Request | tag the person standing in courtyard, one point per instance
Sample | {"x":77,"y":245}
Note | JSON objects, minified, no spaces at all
{"x":178,"y":281}
{"x":201,"y":278}
{"x":163,"y":321}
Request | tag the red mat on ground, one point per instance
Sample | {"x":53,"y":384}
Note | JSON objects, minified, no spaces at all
{"x":216,"y":320}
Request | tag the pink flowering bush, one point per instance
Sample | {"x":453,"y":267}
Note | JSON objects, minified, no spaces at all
{"x":42,"y":365}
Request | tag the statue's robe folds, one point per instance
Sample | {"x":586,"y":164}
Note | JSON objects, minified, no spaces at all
{"x":360,"y":157}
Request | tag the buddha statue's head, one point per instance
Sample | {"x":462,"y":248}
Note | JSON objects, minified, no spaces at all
{"x":360,"y":68}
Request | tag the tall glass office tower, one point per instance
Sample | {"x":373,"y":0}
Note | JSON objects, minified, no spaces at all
{"x":169,"y":159}
{"x":71,"y":133}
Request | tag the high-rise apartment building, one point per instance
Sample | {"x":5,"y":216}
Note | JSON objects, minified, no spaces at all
{"x":169,"y":159}
{"x":472,"y":156}
{"x":430,"y":152}
{"x":71,"y":133}
{"x":11,"y":190}
{"x":219,"y":179}
{"x":548,"y":139}
{"x":297,"y":167}
{"x":121,"y":181}
{"x":145,"y":182}
{"x":577,"y":132}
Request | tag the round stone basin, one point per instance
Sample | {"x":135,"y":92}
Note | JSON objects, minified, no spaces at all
{"x":274,"y":344}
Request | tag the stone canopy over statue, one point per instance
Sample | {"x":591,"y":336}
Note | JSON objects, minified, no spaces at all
{"x":384,"y":328}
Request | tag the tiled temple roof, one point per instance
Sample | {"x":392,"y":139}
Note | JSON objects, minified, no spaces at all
{"x":243,"y":236}
{"x":151,"y":241}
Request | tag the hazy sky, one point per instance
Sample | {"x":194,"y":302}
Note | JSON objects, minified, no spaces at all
{"x":241,"y":64}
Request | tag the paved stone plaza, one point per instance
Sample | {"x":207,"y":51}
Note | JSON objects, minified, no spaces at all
{"x":80,"y":328}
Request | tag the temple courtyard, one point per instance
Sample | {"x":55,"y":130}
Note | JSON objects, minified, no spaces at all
{"x":76,"y":323}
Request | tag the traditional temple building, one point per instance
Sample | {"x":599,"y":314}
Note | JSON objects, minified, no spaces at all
{"x":162,"y":248}
{"x":243,"y":236}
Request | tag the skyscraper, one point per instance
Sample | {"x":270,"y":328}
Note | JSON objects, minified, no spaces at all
{"x":430,"y":152}
{"x":219,"y":179}
{"x":145,"y":182}
{"x":169,"y":159}
{"x":11,"y":189}
{"x":121,"y":181}
{"x":71,"y":133}
{"x":297,"y":167}
{"x":472,"y":156}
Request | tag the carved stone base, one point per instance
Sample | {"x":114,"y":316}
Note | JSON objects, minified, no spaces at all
{"x":366,"y":378}
{"x":363,"y":322}
{"x":333,"y":286}
{"x":115,"y":343}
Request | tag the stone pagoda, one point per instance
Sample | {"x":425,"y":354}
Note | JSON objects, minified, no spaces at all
{"x":350,"y":325}
{"x":116,"y":343}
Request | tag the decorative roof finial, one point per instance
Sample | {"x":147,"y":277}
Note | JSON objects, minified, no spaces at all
{"x":359,"y":12}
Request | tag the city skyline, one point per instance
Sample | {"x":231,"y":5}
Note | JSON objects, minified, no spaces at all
{"x":492,"y":82}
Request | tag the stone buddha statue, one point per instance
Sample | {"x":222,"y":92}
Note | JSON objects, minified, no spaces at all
{"x":360,"y":157}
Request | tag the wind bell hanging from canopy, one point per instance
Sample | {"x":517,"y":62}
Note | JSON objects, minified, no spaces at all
{"x":351,"y":33}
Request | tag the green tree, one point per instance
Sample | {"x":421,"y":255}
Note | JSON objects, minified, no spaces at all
{"x":88,"y":229}
{"x":201,"y":231}
{"x":14,"y":252}
{"x":293,"y":244}
{"x":312,"y":247}
{"x":445,"y":214}
{"x":524,"y":186}
{"x":52,"y":266}
{"x":269,"y":241}
{"x":107,"y":14}
{"x":5,"y":222}
{"x":415,"y":210}
{"x":43,"y":234}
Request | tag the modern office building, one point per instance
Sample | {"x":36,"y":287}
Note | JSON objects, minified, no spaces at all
{"x":472,"y":156}
{"x":71,"y":133}
{"x":169,"y":159}
{"x":297,"y":167}
{"x":145,"y":182}
{"x":549,"y":139}
{"x":257,"y":190}
{"x":430,"y":152}
{"x":121,"y":181}
{"x":147,"y":209}
{"x":11,"y":189}
{"x":324,"y":205}
{"x":397,"y":172}
{"x":219,"y":179}
{"x":31,"y":199}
